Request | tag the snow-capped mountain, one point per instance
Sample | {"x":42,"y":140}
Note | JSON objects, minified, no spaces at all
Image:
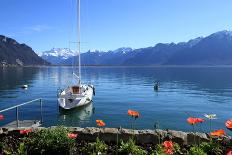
{"x":99,"y":57}
{"x":64,"y":53}
{"x":94,"y":51}
{"x":214,"y":49}
{"x":123,"y":50}
{"x":57,"y":55}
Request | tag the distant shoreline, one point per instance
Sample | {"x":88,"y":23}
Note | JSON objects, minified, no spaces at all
{"x":141,"y":66}
{"x":127,"y":66}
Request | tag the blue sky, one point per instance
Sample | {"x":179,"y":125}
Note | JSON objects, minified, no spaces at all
{"x":110,"y":24}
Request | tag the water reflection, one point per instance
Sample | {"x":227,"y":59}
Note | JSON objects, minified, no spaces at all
{"x":213,"y":80}
{"x":193,"y":90}
{"x":77,"y":115}
{"x":12,"y":78}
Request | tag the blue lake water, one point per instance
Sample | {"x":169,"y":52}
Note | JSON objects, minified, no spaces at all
{"x":184,"y":92}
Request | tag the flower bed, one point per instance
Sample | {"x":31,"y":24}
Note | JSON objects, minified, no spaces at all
{"x":102,"y":140}
{"x":61,"y":140}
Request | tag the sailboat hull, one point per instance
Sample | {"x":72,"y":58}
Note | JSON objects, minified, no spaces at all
{"x":69,"y":100}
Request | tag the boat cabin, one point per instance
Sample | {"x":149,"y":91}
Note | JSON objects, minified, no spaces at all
{"x":75,"y":89}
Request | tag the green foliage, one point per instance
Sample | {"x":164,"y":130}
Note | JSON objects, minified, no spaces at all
{"x":55,"y":141}
{"x":1,"y":146}
{"x":176,"y":149}
{"x":211,"y":148}
{"x":98,"y":147}
{"x":196,"y":150}
{"x":160,"y":150}
{"x":9,"y":145}
{"x":22,"y":149}
{"x":131,"y":148}
{"x":50,"y":141}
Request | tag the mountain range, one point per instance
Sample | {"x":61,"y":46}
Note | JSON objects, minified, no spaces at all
{"x":215,"y":49}
{"x":14,"y":53}
{"x":57,"y":55}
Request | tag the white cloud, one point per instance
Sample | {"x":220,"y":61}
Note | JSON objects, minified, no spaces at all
{"x":28,"y":30}
{"x":37,"y":28}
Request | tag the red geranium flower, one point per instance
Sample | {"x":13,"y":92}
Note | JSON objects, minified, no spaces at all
{"x":168,"y":144}
{"x":193,"y":120}
{"x":1,"y":117}
{"x":229,"y":124}
{"x":168,"y":151}
{"x":229,"y":153}
{"x":100,"y":122}
{"x":72,"y":135}
{"x":26,"y":131}
{"x":133,"y":113}
{"x":218,"y":133}
{"x":168,"y":147}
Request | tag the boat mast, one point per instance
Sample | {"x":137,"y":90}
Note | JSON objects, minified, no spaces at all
{"x":79,"y":37}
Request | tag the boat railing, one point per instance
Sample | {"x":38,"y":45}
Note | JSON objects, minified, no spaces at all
{"x":16,"y":107}
{"x":59,"y":91}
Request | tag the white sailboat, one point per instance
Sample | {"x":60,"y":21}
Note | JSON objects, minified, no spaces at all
{"x":79,"y":94}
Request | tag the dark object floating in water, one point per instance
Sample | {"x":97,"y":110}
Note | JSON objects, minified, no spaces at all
{"x":24,"y":86}
{"x":156,"y":86}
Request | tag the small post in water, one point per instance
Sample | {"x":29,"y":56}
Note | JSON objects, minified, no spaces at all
{"x":17,"y":116}
{"x":41,"y":111}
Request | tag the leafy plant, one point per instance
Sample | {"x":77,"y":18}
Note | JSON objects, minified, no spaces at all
{"x":22,"y":149}
{"x":196,"y":150}
{"x":1,"y":147}
{"x":9,"y":145}
{"x":176,"y":149}
{"x":50,"y":141}
{"x":211,"y":148}
{"x":98,"y":147}
{"x":131,"y":148}
{"x":160,"y":150}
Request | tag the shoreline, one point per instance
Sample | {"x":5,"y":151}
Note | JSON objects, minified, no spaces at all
{"x":109,"y":135}
{"x":108,"y":141}
{"x":124,"y":66}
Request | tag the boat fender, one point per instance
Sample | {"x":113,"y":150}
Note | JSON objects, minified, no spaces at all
{"x":93,"y":90}
{"x":93,"y":110}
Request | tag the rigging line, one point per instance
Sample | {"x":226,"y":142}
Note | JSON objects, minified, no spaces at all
{"x":71,"y":30}
{"x":73,"y":58}
{"x":87,"y":28}
{"x":79,"y":37}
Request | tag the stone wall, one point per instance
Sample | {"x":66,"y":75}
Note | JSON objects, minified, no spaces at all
{"x":141,"y":136}
{"x":111,"y":135}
